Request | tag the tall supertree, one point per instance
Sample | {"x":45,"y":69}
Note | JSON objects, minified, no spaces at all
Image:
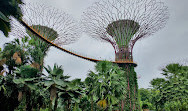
{"x":121,"y":23}
{"x":53,"y":24}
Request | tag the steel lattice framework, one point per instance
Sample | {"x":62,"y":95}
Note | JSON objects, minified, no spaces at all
{"x":53,"y":24}
{"x":123,"y":22}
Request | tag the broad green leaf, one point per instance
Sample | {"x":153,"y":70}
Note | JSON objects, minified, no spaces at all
{"x":5,"y":27}
{"x":3,"y":17}
{"x":32,"y":86}
{"x":48,"y":83}
{"x":59,"y":82}
{"x":29,"y":79}
{"x":19,"y":81}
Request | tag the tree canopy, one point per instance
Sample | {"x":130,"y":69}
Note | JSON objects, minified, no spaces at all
{"x":169,"y":93}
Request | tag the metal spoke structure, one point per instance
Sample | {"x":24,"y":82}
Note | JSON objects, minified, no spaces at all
{"x":53,"y":24}
{"x":121,"y":23}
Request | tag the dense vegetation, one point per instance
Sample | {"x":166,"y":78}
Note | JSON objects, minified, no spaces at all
{"x":24,"y":86}
{"x":169,"y":93}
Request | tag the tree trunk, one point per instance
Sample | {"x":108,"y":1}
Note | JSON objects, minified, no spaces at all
{"x":92,"y":103}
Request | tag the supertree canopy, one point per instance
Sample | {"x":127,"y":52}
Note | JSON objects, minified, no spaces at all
{"x":53,"y":24}
{"x":121,"y":23}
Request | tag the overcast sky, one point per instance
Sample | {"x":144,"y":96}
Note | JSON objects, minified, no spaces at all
{"x":151,"y":54}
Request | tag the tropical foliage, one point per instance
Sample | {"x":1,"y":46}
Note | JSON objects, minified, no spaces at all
{"x":169,"y":93}
{"x":25,"y":86}
{"x":106,"y":87}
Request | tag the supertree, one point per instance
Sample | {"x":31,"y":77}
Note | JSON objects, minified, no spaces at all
{"x":53,"y":24}
{"x":121,"y":23}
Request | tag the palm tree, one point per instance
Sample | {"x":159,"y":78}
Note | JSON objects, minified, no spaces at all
{"x":54,"y":82}
{"x":18,"y":59}
{"x":71,"y":94}
{"x":108,"y":85}
{"x":26,"y":78}
{"x":64,"y":94}
{"x":15,"y":54}
{"x":172,"y":90}
{"x":26,"y":51}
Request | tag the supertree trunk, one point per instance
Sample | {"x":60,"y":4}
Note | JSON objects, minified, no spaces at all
{"x":130,"y":102}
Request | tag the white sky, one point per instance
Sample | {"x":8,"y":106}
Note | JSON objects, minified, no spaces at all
{"x":167,"y":45}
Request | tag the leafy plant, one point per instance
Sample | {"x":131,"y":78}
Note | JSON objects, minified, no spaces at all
{"x":55,"y":82}
{"x":107,"y":85}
